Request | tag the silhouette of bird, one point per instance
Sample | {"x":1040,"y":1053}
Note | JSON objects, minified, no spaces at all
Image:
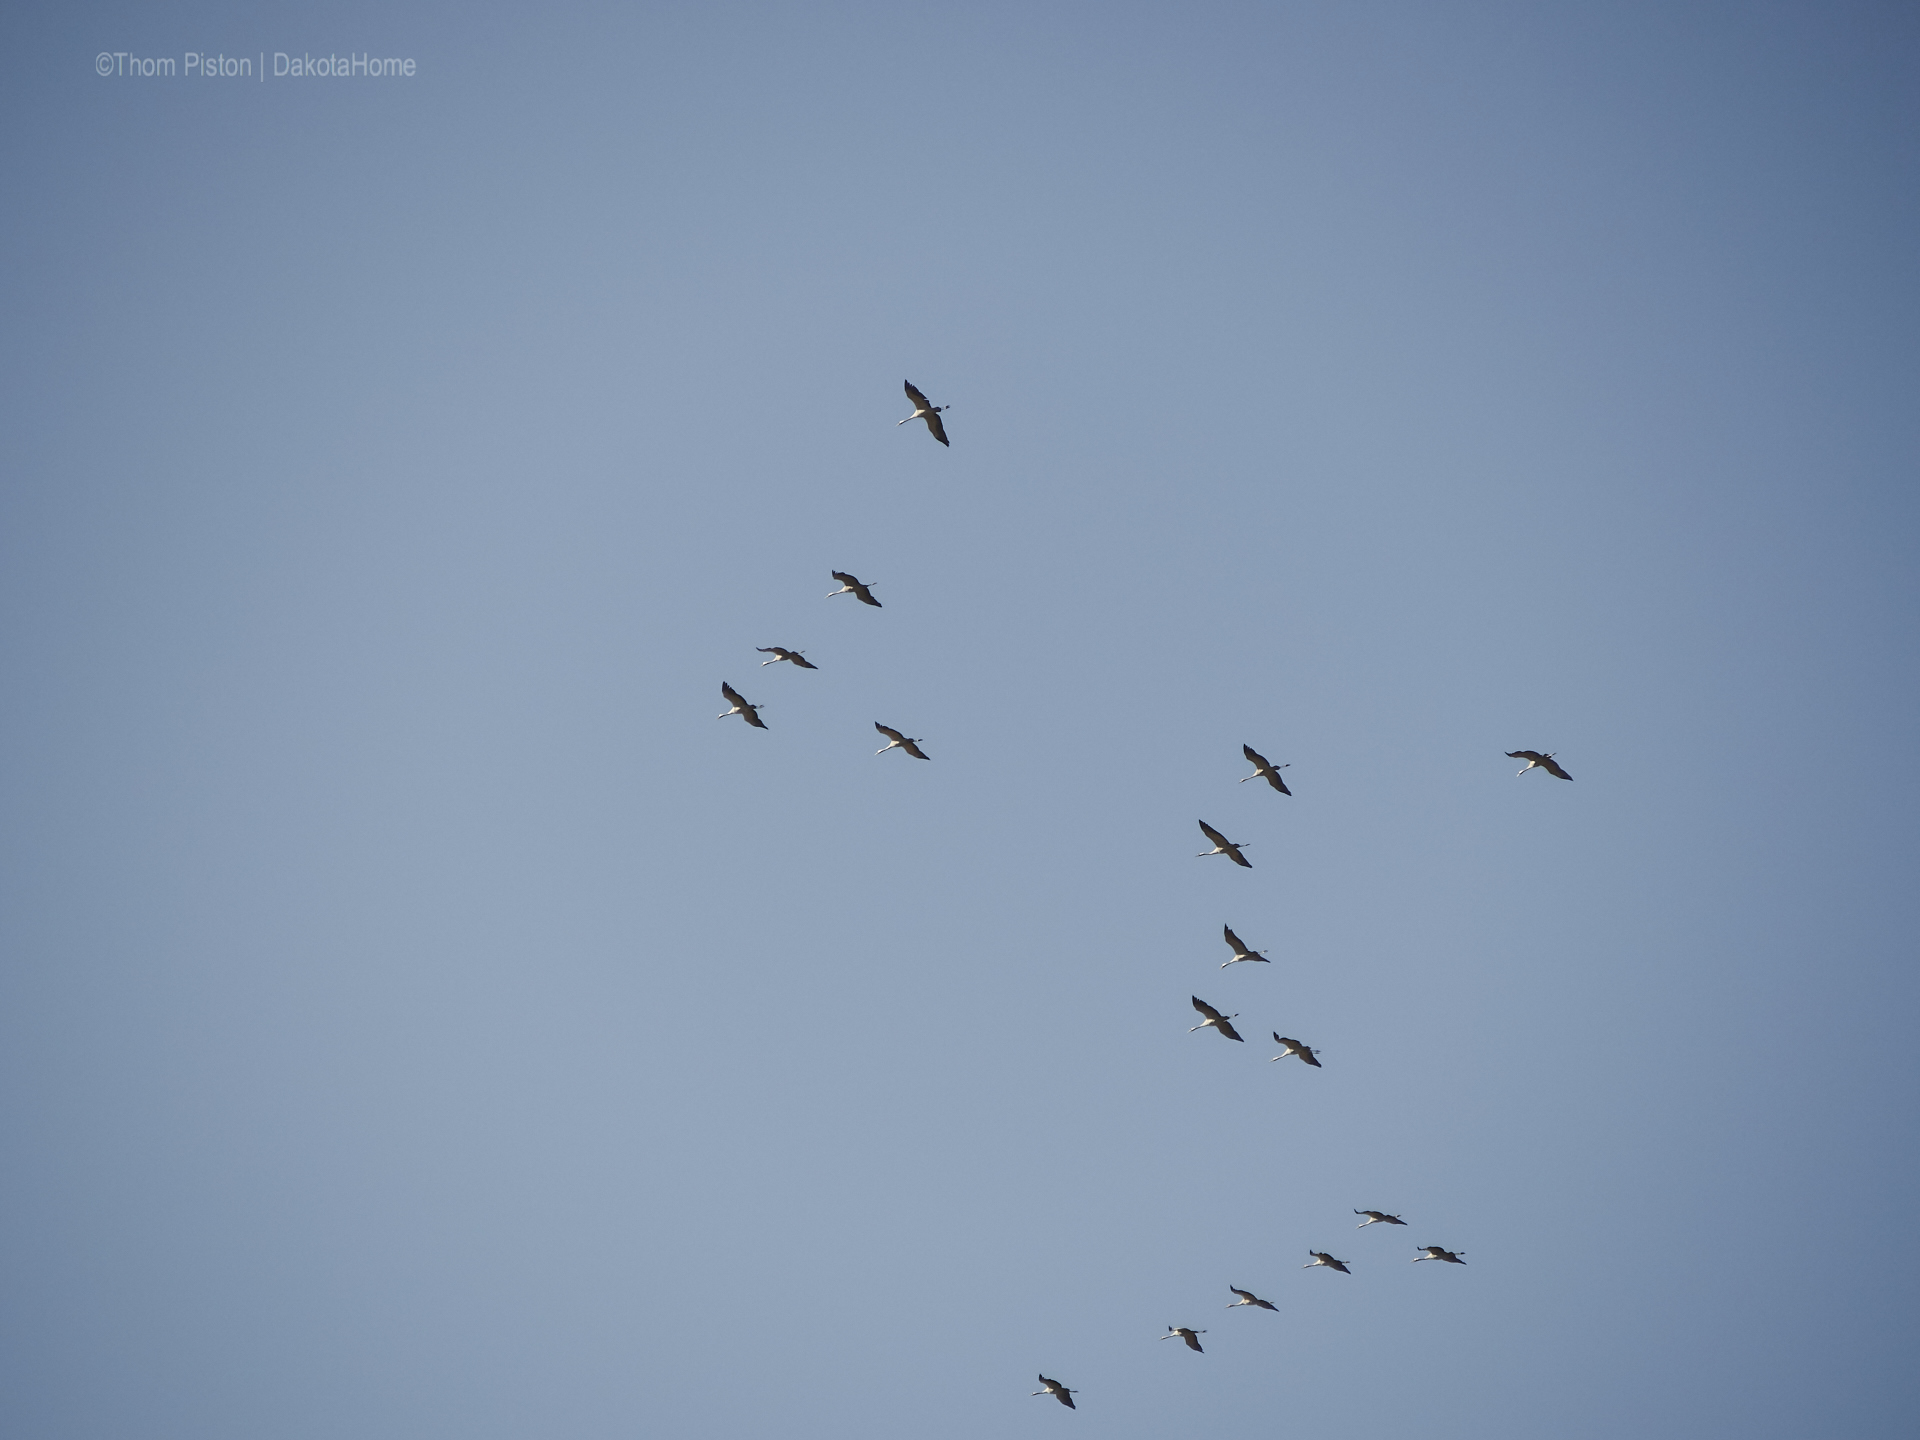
{"x":748,"y":712}
{"x":850,"y":585}
{"x":929,"y":413}
{"x":1240,"y":951}
{"x":1181,"y":1332}
{"x":1320,"y":1257}
{"x":1377,"y":1217}
{"x":780,"y":652}
{"x":1222,"y":846}
{"x":1263,"y":770}
{"x":1214,"y":1019}
{"x":1247,"y":1297}
{"x":1294,"y":1047}
{"x":1436,"y":1252}
{"x":896,"y":740}
{"x":1535,"y":760}
{"x":1059,"y":1392}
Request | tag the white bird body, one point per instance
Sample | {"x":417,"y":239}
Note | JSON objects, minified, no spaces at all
{"x":897,"y":741}
{"x":1263,"y":769}
{"x":851,"y":585}
{"x":1223,"y":846}
{"x":1215,"y":1020}
{"x":1059,"y":1392}
{"x":1240,"y":951}
{"x":923,"y":411}
{"x":1294,"y":1047}
{"x":1536,"y":761}
{"x":745,"y":709}
{"x":780,"y":652}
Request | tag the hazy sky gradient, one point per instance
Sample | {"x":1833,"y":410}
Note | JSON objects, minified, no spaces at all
{"x":420,"y":1018}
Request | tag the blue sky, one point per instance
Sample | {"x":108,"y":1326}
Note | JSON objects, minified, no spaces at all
{"x":419,"y":1017}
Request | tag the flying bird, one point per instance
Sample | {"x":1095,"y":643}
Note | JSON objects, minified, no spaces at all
{"x":1222,"y":846}
{"x":1436,"y":1252}
{"x":780,"y":652}
{"x":1215,"y":1019}
{"x":1059,"y":1392}
{"x":897,"y":740}
{"x":748,"y":712}
{"x":1240,"y":951}
{"x":850,"y":585}
{"x":1247,"y":1297}
{"x":1181,"y":1332}
{"x":1294,"y":1047}
{"x":929,"y":413}
{"x":1535,"y":760}
{"x":1264,"y":770}
{"x":1377,"y":1217}
{"x":1320,"y":1257}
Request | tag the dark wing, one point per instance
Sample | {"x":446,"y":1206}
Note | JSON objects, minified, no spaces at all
{"x":939,"y":430}
{"x":1534,"y":755}
{"x":802,"y":661}
{"x":1246,"y":1295}
{"x":752,"y":717}
{"x":1064,"y":1398}
{"x":865,"y":596}
{"x":1273,"y":779}
{"x":1255,"y":758}
{"x":1280,"y":1039}
{"x":1225,"y":1027}
{"x":771,"y":650}
{"x":1267,"y":1305}
{"x":1205,"y":1009}
{"x":1233,"y":854}
{"x":1238,"y":949}
{"x":846,"y":579}
{"x":1212,"y":834}
{"x":1307,"y":1055}
{"x":1193,"y":1341}
{"x":890,"y":732}
{"x":919,"y":400}
{"x":732,"y":695}
{"x":1552,"y":767}
{"x":1393,"y":1219}
{"x":1339,"y":1265}
{"x":912,"y":747}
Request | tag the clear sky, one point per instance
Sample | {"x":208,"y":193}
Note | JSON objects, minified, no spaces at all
{"x":419,"y":1017}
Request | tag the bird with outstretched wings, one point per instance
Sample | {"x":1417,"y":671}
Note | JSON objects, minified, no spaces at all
{"x":850,"y":585}
{"x":780,"y":652}
{"x":895,"y":740}
{"x":924,"y":411}
{"x":742,"y":707}
{"x":1223,"y":846}
{"x":1536,"y":761}
{"x":1263,"y":769}
{"x":1215,"y":1020}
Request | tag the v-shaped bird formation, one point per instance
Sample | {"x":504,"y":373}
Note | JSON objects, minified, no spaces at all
{"x":1220,"y":1022}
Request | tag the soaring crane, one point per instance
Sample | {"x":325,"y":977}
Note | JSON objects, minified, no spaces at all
{"x":1436,"y":1252}
{"x":1059,"y":1392}
{"x":745,"y":710}
{"x":1536,"y":761}
{"x":1181,"y":1332}
{"x":1240,"y":951}
{"x":1222,"y":846}
{"x":929,"y":413}
{"x":1294,"y":1047}
{"x":850,"y":585}
{"x":780,"y":652}
{"x":1320,"y":1257}
{"x":897,"y":741}
{"x":1377,"y":1217}
{"x":1247,"y":1297}
{"x":1263,"y":769}
{"x":1215,"y":1020}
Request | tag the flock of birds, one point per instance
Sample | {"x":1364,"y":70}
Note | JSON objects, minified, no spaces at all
{"x":1211,"y":1019}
